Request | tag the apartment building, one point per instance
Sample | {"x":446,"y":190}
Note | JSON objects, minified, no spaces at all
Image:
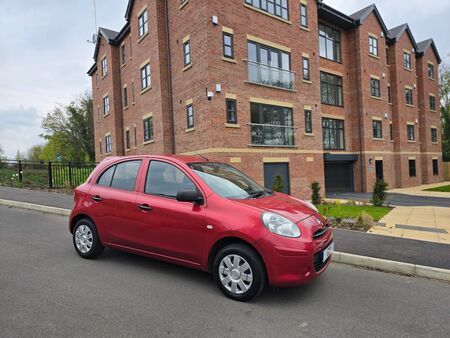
{"x":275,"y":87}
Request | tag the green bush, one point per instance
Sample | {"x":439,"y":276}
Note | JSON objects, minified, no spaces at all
{"x":278,"y":184}
{"x":315,"y":196}
{"x":379,"y":193}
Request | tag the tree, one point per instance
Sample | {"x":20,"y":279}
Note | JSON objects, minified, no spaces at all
{"x":2,"y":152}
{"x":379,"y":193}
{"x":444,"y":91}
{"x":70,"y":131}
{"x":35,"y":153}
{"x":315,"y":195}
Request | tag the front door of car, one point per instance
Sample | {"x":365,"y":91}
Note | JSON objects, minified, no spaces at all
{"x":113,"y":203}
{"x":165,"y":226}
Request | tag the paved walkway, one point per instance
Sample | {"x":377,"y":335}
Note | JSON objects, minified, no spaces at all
{"x":354,"y":242}
{"x":421,"y":223}
{"x":419,"y":190}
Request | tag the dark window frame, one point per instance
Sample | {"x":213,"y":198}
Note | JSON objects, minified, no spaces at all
{"x":143,"y":24}
{"x":432,"y":102}
{"x":377,"y":129}
{"x":308,"y":121}
{"x":389,"y":94}
{"x":148,"y":129}
{"x":375,"y":87}
{"x":127,"y":139}
{"x":325,"y":33}
{"x":230,"y":46}
{"x":108,"y":145}
{"x":123,"y":54}
{"x":306,"y":69}
{"x":146,"y":76}
{"x":409,"y":97}
{"x":303,"y":15}
{"x":410,"y":132}
{"x":125,"y":96}
{"x":187,"y":53}
{"x":190,"y":123}
{"x":231,"y":112}
{"x":435,"y":165}
{"x":106,"y":105}
{"x":335,"y":131}
{"x":373,"y":45}
{"x":326,"y":80}
{"x":412,"y":168}
{"x":272,"y":7}
{"x":431,"y":71}
{"x":104,"y":66}
{"x":407,"y":60}
{"x":391,"y":132}
{"x":434,"y":138}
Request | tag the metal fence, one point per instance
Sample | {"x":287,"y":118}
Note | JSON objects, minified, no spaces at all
{"x":53,"y":175}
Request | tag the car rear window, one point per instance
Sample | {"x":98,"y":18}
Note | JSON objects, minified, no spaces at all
{"x":121,"y":176}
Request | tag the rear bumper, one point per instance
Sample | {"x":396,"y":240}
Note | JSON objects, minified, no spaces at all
{"x":290,"y":262}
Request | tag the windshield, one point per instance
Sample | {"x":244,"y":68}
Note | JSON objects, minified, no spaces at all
{"x":227,"y":181}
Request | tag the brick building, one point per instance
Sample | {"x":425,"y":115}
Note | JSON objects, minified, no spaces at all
{"x":293,"y":87}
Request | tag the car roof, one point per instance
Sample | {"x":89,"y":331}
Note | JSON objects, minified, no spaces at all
{"x":180,"y":158}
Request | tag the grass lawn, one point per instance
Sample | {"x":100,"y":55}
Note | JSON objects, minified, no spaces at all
{"x":444,"y":188}
{"x":352,"y":211}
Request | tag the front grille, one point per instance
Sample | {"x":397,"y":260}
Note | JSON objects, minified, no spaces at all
{"x":318,"y":264}
{"x":319,"y":233}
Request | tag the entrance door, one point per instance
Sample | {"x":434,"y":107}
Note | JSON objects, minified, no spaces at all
{"x":379,"y":169}
{"x":276,"y":177}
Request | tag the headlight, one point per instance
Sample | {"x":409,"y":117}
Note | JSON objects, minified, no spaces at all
{"x":312,"y":206}
{"x":280,"y":225}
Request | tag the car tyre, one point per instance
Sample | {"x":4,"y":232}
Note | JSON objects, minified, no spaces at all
{"x":85,"y":239}
{"x":239,"y":272}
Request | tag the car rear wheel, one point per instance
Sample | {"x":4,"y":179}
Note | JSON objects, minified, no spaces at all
{"x":239,"y":272}
{"x":85,"y":239}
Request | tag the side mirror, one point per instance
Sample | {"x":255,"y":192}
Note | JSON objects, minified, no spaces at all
{"x":189,"y":196}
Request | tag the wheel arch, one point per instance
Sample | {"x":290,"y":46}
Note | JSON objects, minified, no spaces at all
{"x":76,"y":218}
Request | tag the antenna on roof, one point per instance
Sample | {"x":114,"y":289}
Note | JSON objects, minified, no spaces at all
{"x":94,"y":36}
{"x":202,"y":156}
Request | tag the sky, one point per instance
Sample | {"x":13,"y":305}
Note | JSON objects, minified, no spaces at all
{"x":45,"y":54}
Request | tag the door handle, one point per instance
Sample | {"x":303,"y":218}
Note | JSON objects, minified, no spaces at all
{"x":145,"y":207}
{"x":97,"y":198}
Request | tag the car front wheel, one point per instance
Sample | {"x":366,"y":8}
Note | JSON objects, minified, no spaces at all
{"x":85,"y":239}
{"x":239,"y":272}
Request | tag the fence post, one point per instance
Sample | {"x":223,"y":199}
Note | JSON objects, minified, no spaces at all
{"x":50,"y":178}
{"x":70,"y":175}
{"x":20,"y":171}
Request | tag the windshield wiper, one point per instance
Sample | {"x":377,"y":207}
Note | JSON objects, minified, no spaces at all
{"x":257,"y":193}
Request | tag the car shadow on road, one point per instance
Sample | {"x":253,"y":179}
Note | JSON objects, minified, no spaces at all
{"x":197,"y":279}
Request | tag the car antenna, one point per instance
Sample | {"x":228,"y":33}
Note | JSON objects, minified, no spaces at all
{"x":203,"y":157}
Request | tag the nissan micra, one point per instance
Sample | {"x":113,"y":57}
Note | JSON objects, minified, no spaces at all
{"x":202,"y":214}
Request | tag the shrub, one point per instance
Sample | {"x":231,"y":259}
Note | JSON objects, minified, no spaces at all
{"x":278,"y":184}
{"x":315,"y":196}
{"x":364,"y":220}
{"x":379,"y":193}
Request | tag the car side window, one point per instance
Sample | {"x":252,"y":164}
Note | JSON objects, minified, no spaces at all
{"x":121,"y":176}
{"x":166,"y":180}
{"x":106,"y":177}
{"x":125,"y":175}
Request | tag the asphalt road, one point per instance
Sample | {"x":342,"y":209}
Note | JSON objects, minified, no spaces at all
{"x":395,"y":199}
{"x":47,"y":290}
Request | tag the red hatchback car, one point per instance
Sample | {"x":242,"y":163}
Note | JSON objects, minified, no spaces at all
{"x":202,"y":214}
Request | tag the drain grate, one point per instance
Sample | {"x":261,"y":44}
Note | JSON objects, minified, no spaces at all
{"x":419,"y":228}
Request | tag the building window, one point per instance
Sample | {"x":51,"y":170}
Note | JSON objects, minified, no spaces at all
{"x":108,"y":144}
{"x":373,"y":46}
{"x":329,"y":43}
{"x":190,"y":116}
{"x":388,"y":62}
{"x":187,"y":52}
{"x":228,"y":45}
{"x":183,"y":2}
{"x":303,"y":15}
{"x":106,"y":105}
{"x":143,"y":23}
{"x":435,"y":167}
{"x":431,"y":71}
{"x":377,"y":129}
{"x":432,"y":103}
{"x":100,"y":147}
{"x":412,"y":168}
{"x":132,"y":90}
{"x":409,"y":96}
{"x":375,"y":88}
{"x":331,"y":89}
{"x":434,"y":135}
{"x":148,"y":129}
{"x":231,"y":111}
{"x":125,"y":97}
{"x":127,"y":139}
{"x":333,"y":134}
{"x":306,"y":71}
{"x":406,"y":60}
{"x":271,"y":125}
{"x":135,"y":137}
{"x":104,"y":67}
{"x":389,"y":94}
{"x":308,"y":121}
{"x":124,"y":54}
{"x":275,"y":7}
{"x":269,"y":66}
{"x":391,"y":132}
{"x":410,"y":132}
{"x":146,"y":77}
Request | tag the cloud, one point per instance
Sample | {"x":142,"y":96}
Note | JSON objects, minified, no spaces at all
{"x":19,"y":129}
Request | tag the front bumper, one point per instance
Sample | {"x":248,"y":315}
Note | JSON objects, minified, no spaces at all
{"x":292,"y":262}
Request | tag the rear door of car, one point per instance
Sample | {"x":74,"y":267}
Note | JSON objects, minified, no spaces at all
{"x":113,"y":198}
{"x":165,"y":226}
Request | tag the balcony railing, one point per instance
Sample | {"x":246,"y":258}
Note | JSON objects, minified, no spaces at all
{"x":272,"y":135}
{"x":270,"y":76}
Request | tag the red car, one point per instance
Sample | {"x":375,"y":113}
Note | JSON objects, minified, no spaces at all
{"x":202,"y":214}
